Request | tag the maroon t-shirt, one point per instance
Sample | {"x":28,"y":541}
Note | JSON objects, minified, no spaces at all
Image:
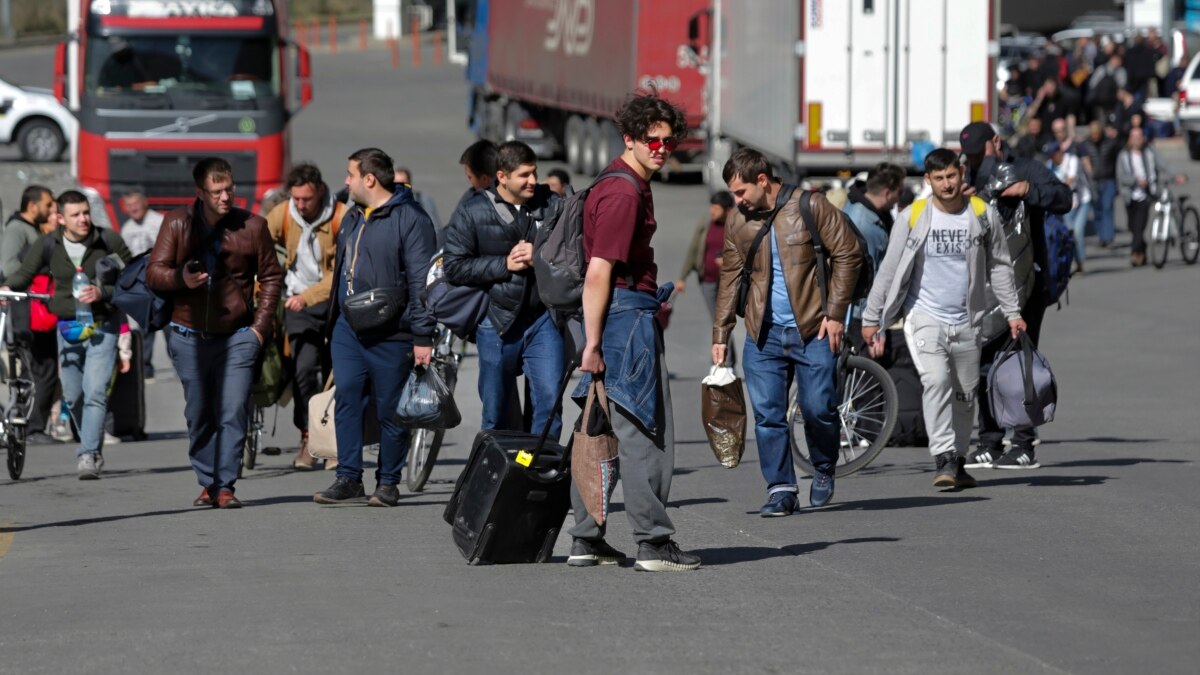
{"x":714,"y":244}
{"x":618,"y":224}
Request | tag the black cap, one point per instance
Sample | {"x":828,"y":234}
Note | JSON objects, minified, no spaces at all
{"x":974,"y":136}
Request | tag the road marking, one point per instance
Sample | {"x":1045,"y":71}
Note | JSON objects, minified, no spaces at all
{"x":6,"y":538}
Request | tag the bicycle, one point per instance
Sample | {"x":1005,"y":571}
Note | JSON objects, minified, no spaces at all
{"x":15,"y":372}
{"x":867,"y":412}
{"x":425,"y":443}
{"x":1173,"y":220}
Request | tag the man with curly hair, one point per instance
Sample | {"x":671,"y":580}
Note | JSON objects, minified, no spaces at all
{"x":623,"y":343}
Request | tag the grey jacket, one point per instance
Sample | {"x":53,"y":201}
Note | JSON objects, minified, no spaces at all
{"x":18,"y":236}
{"x":987,"y":259}
{"x":1156,"y":171}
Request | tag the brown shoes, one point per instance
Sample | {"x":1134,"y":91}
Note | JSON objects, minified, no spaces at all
{"x":226,"y":500}
{"x":205,"y":499}
{"x":1137,"y":259}
{"x":303,"y":461}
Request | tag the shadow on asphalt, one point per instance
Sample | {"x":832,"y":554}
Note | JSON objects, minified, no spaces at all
{"x":94,"y":521}
{"x":1122,"y":461}
{"x":106,"y":475}
{"x":894,"y":503}
{"x":1101,"y":439}
{"x":716,"y":557}
{"x":1048,"y":481}
{"x":696,"y":502}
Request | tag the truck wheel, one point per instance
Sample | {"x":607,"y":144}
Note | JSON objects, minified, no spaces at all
{"x":591,"y":143}
{"x":1193,"y":144}
{"x":574,"y":142}
{"x":40,"y":140}
{"x":609,"y":145}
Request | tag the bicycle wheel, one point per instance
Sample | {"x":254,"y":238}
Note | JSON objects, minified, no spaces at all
{"x":1189,"y":235}
{"x":422,"y":455}
{"x":1160,"y":239}
{"x":250,"y":448}
{"x":867,"y":412}
{"x":15,"y":443}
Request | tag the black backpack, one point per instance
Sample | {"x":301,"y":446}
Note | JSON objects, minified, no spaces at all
{"x":150,"y":310}
{"x":866,"y":270}
{"x":1105,"y":91}
{"x":558,"y":258}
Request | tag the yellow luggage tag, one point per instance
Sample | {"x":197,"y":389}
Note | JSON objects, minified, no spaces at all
{"x":524,"y":458}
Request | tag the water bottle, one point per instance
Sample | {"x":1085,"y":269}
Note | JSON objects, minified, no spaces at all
{"x":83,"y":310}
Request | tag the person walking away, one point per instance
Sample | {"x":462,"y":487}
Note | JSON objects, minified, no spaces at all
{"x":1099,"y":153}
{"x":1068,"y":168}
{"x":1039,"y":192}
{"x":385,"y":241}
{"x":489,"y":245}
{"x":37,"y":216}
{"x":88,"y":323}
{"x":140,"y":231}
{"x":792,"y":332}
{"x":704,"y":256}
{"x":1140,"y":170}
{"x":306,"y":226}
{"x":206,"y":259}
{"x":619,"y":303}
{"x":935,"y":273}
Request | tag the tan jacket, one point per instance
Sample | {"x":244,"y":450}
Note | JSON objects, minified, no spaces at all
{"x":798,"y":259}
{"x":326,"y":236}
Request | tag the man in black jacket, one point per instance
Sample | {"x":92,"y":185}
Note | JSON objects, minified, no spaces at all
{"x":1041,"y":193}
{"x":489,"y":245}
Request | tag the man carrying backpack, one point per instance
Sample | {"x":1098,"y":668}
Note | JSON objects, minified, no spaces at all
{"x":1040,"y":193}
{"x":939,"y":262}
{"x":791,"y":328}
{"x":489,"y":245}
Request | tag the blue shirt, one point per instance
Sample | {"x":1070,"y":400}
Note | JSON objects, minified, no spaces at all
{"x":781,"y":303}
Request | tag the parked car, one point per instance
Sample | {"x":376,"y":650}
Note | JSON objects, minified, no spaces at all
{"x":33,"y":120}
{"x":1189,"y":106}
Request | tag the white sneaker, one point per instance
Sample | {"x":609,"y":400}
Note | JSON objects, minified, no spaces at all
{"x":109,"y":439}
{"x":87,"y":467}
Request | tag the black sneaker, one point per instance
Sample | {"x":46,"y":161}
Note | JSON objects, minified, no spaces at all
{"x":664,"y":557}
{"x":947,"y":470}
{"x":961,"y":477}
{"x":983,"y":457}
{"x":592,"y":552}
{"x":343,"y":490}
{"x":40,"y":438}
{"x":1017,"y":458}
{"x":385,"y":495}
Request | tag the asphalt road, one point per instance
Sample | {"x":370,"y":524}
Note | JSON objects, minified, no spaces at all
{"x":1087,"y":565}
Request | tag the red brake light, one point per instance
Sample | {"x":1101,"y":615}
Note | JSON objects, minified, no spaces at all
{"x":529,"y":123}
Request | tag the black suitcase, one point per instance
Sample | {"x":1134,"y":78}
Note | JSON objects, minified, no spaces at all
{"x":127,"y":402}
{"x":512,"y":497}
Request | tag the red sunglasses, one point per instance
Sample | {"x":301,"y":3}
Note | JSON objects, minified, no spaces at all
{"x":665,"y":144}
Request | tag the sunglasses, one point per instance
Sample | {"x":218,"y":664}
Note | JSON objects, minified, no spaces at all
{"x":664,"y":144}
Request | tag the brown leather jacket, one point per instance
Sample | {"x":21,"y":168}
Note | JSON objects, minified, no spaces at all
{"x":798,"y":259}
{"x":247,"y":253}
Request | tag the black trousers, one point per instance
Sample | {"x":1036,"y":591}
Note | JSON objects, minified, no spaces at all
{"x":310,"y":366}
{"x":41,"y":352}
{"x":991,"y":435}
{"x":1138,"y":214}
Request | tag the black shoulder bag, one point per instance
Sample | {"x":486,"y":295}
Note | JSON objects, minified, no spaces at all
{"x":785,"y":193}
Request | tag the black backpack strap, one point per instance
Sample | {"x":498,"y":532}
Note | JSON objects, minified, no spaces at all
{"x":47,"y":250}
{"x":810,"y":222}
{"x":609,"y":174}
{"x":785,"y":193}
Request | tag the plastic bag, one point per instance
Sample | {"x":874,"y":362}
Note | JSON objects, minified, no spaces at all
{"x":426,"y":402}
{"x":723,"y":410}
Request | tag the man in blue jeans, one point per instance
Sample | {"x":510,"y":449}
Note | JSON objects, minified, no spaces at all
{"x":385,"y":241}
{"x":489,"y":245}
{"x":86,"y":353}
{"x":791,"y":331}
{"x":207,"y":258}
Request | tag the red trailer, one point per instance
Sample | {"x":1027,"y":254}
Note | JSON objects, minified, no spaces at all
{"x":552,"y":73}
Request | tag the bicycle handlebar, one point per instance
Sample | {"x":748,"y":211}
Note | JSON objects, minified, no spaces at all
{"x":20,"y":295}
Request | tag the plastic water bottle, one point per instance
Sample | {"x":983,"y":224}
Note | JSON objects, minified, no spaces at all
{"x":83,"y":310}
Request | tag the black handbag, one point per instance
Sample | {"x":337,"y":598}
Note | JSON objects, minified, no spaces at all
{"x":370,"y":309}
{"x":743,"y":292}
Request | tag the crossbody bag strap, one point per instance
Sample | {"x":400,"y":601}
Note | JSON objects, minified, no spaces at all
{"x":810,"y":222}
{"x":785,"y":193}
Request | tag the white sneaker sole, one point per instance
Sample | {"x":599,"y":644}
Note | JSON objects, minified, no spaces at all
{"x":663,"y":566}
{"x":1017,"y":467}
{"x":591,"y":560}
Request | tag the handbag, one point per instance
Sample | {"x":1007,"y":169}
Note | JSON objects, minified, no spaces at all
{"x":743,"y":292}
{"x":367,"y":310}
{"x":1022,"y":391}
{"x":723,"y":411}
{"x":594,"y":462}
{"x":459,"y":308}
{"x":322,"y":433}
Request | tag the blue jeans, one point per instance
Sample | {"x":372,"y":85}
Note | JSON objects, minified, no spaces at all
{"x":535,"y":349}
{"x":216,"y":373}
{"x":1104,"y":205}
{"x":1077,"y":221}
{"x":85,"y":370}
{"x":770,"y":366}
{"x":386,"y":364}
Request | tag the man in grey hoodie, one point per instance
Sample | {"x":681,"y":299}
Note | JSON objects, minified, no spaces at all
{"x":940,"y":258}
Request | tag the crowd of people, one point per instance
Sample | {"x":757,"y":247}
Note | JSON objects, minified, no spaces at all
{"x":313,"y":269}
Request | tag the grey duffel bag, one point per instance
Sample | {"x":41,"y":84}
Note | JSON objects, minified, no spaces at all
{"x":1021,"y":387}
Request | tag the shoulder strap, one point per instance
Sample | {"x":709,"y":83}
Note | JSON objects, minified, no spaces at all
{"x":287,"y":220}
{"x":629,"y":280}
{"x":914,"y":211}
{"x":819,"y":249}
{"x":47,"y":249}
{"x":785,"y":193}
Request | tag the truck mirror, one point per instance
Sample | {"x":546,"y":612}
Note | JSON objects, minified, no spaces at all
{"x":694,"y":28}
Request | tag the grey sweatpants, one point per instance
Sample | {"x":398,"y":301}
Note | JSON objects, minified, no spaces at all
{"x":647,"y":462}
{"x":947,"y":358}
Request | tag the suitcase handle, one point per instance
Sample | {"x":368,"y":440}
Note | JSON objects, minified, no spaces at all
{"x":552,"y":474}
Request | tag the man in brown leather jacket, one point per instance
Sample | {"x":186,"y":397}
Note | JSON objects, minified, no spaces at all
{"x":206,"y":260}
{"x":790,"y":329}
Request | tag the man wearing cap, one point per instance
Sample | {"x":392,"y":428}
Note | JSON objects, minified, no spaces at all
{"x":1040,"y":192}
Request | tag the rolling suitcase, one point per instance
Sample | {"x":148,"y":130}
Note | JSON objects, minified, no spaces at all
{"x":127,"y":401}
{"x":512,"y":497}
{"x":910,"y":416}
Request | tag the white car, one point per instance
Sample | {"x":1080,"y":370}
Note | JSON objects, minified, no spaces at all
{"x":38,"y":124}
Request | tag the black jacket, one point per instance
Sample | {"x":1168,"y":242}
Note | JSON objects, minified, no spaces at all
{"x":62,"y":270}
{"x":395,"y":250}
{"x":479,"y":236}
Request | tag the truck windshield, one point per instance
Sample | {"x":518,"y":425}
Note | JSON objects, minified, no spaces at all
{"x":182,"y":71}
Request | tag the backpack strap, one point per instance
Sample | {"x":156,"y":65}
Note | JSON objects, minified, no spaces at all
{"x":915,"y":211}
{"x":48,"y":243}
{"x":609,"y":173}
{"x":810,"y":222}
